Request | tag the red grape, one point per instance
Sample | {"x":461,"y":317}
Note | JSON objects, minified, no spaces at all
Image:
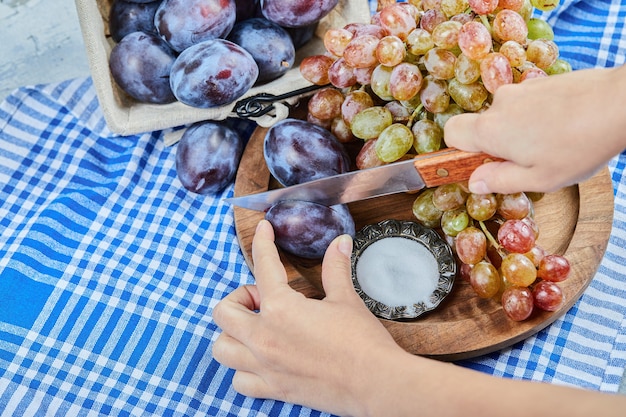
{"x":513,"y":206}
{"x":483,"y":6}
{"x":554,"y":268}
{"x":336,"y":40}
{"x":517,"y":303}
{"x":471,"y":245}
{"x":314,"y":69}
{"x":475,"y":40}
{"x":495,"y":71}
{"x":548,"y":296}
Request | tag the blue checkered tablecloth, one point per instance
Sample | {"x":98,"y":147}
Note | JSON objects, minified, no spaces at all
{"x":109,"y":269}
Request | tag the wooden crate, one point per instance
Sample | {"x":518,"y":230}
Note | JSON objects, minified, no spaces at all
{"x":126,"y":116}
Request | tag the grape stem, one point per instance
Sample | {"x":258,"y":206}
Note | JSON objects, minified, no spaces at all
{"x":485,"y":21}
{"x":491,"y":239}
{"x":414,"y":115}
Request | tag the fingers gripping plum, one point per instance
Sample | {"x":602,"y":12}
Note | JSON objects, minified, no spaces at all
{"x":306,"y":229}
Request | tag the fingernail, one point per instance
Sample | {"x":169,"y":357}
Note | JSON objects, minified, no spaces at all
{"x":479,"y":187}
{"x":344,"y":244}
{"x":261,"y":224}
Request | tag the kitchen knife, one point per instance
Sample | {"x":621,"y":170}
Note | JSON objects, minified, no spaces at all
{"x":446,"y":166}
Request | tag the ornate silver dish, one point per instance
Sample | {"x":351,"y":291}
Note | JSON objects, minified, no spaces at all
{"x":401,"y":269}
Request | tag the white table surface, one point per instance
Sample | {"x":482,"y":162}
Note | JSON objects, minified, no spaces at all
{"x":40,"y":42}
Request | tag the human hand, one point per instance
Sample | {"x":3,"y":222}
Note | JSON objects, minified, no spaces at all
{"x":324,"y":354}
{"x":552,"y":132}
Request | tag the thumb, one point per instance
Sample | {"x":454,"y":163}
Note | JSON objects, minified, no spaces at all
{"x":337,"y":269}
{"x":502,"y":177}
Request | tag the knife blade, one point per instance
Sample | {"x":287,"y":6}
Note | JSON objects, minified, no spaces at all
{"x":446,"y":166}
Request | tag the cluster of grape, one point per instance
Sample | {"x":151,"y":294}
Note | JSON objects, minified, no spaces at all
{"x":394,"y":83}
{"x":495,"y":239}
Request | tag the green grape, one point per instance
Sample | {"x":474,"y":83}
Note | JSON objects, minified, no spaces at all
{"x":453,"y":221}
{"x":469,"y":97}
{"x":518,"y":270}
{"x":514,"y":52}
{"x":380,"y":82}
{"x":449,"y":196}
{"x":467,"y":70}
{"x":539,"y":29}
{"x":370,"y":122}
{"x":439,"y":63}
{"x":427,"y":136}
{"x":394,"y":142}
{"x":481,"y":207}
{"x":560,"y":66}
{"x":446,"y":34}
{"x":419,"y":42}
{"x":485,"y":280}
{"x":390,"y":51}
{"x":542,"y":52}
{"x":526,"y":10}
{"x":545,"y":5}
{"x":425,"y":211}
{"x":442,"y":117}
{"x":453,"y":7}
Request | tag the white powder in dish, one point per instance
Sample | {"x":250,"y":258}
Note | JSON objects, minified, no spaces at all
{"x":397,"y":271}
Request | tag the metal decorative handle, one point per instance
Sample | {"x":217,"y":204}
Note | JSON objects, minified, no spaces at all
{"x":263,"y":103}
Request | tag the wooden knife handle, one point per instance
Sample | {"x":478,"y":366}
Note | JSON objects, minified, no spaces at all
{"x":449,"y":165}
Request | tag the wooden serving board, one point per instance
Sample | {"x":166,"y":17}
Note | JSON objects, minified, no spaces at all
{"x":575,"y":221}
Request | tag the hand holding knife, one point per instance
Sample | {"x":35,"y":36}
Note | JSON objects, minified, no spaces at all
{"x":446,"y":166}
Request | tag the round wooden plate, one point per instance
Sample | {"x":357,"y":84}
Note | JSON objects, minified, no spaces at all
{"x":575,"y":221}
